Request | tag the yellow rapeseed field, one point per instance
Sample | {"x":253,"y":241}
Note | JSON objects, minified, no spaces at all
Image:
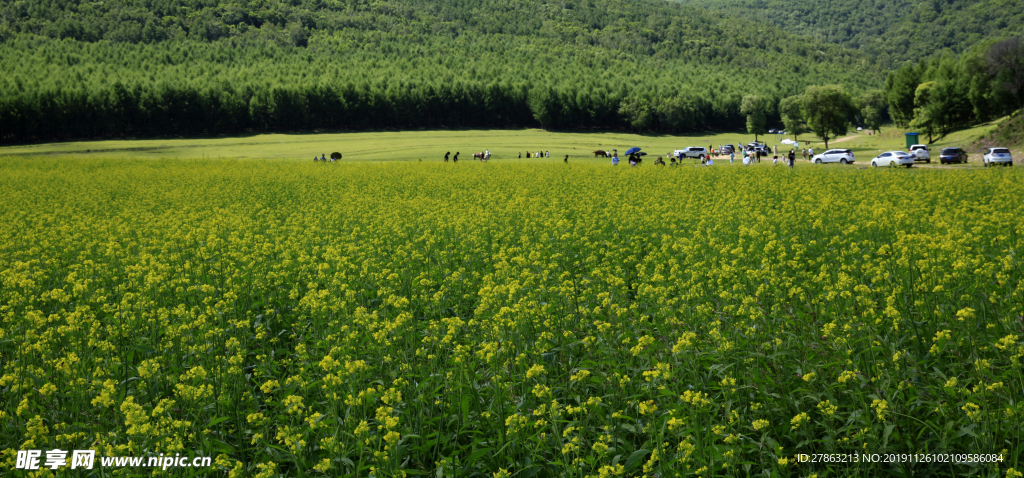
{"x":394,"y":320}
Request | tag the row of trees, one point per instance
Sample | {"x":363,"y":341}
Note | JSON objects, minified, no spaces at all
{"x":827,"y":111}
{"x":947,"y":92}
{"x":62,"y":90}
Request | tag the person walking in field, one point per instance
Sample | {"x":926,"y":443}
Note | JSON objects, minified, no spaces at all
{"x":792,"y":157}
{"x":615,"y":159}
{"x":732,"y":156}
{"x":804,"y":152}
{"x":455,"y":158}
{"x":446,"y":156}
{"x":566,"y":160}
{"x":810,"y":152}
{"x":520,"y":155}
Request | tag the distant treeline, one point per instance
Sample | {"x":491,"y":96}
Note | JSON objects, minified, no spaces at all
{"x":891,"y":31}
{"x":66,"y":89}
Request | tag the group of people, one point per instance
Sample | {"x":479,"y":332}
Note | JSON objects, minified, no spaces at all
{"x":754,"y":155}
{"x":487,"y":154}
{"x":750,"y":156}
{"x":635,"y":159}
{"x":323,"y":157}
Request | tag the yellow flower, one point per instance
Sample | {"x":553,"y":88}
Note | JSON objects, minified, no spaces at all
{"x":534,"y":371}
{"x":881,"y":408}
{"x":798,"y":420}
{"x":846,"y":376}
{"x":269,"y":386}
{"x":759,"y":424}
{"x":827,"y":408}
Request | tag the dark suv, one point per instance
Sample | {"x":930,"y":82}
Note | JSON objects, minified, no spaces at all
{"x":952,"y":155}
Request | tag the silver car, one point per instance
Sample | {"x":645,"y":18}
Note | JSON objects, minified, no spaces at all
{"x":997,"y":156}
{"x":841,"y":156}
{"x":893,"y":159}
{"x":692,"y":152}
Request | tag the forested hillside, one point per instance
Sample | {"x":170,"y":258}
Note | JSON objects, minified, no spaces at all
{"x":892,"y":31}
{"x":96,"y":69}
{"x":78,"y":69}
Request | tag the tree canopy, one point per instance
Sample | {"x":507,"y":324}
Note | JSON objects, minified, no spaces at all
{"x":893,"y":32}
{"x":828,"y":110}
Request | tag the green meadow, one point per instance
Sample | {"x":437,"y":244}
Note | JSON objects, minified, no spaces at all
{"x":430,"y":145}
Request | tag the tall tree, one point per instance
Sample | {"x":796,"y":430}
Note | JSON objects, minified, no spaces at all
{"x":791,"y":111}
{"x":1006,"y":62}
{"x":828,"y":110}
{"x":927,"y":114}
{"x":753,"y":107}
{"x":899,"y":91}
{"x":872,"y":107}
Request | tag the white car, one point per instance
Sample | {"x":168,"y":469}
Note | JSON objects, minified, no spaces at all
{"x":841,"y":156}
{"x":692,"y":152}
{"x":921,"y":153}
{"x":997,"y":156}
{"x":893,"y":158}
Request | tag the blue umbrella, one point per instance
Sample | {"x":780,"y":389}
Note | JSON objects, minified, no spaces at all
{"x":632,"y":150}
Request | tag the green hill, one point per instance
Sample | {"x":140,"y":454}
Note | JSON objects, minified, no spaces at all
{"x":116,"y":68}
{"x":892,"y":31}
{"x":1009,"y":134}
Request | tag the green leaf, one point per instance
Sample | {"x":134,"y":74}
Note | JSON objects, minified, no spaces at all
{"x":635,"y":457}
{"x":967,"y":430}
{"x":476,"y":456}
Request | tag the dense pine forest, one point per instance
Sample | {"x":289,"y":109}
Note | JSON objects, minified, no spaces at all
{"x":172,"y":67}
{"x":891,"y":31}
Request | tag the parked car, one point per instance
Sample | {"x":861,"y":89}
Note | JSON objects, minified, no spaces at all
{"x":952,"y":155}
{"x":997,"y":156}
{"x":728,"y":149}
{"x":842,"y":156}
{"x":698,"y":152}
{"x":773,"y":131}
{"x":759,"y":146}
{"x":893,"y":158}
{"x":921,"y":153}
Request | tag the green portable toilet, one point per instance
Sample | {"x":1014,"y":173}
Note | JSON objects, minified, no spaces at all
{"x":911,"y":139}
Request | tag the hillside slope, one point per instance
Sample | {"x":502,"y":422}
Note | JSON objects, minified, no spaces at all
{"x":1009,"y":134}
{"x":893,"y":31}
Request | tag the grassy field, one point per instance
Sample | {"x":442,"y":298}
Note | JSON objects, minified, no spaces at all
{"x":510,"y":320}
{"x":431,"y":145}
